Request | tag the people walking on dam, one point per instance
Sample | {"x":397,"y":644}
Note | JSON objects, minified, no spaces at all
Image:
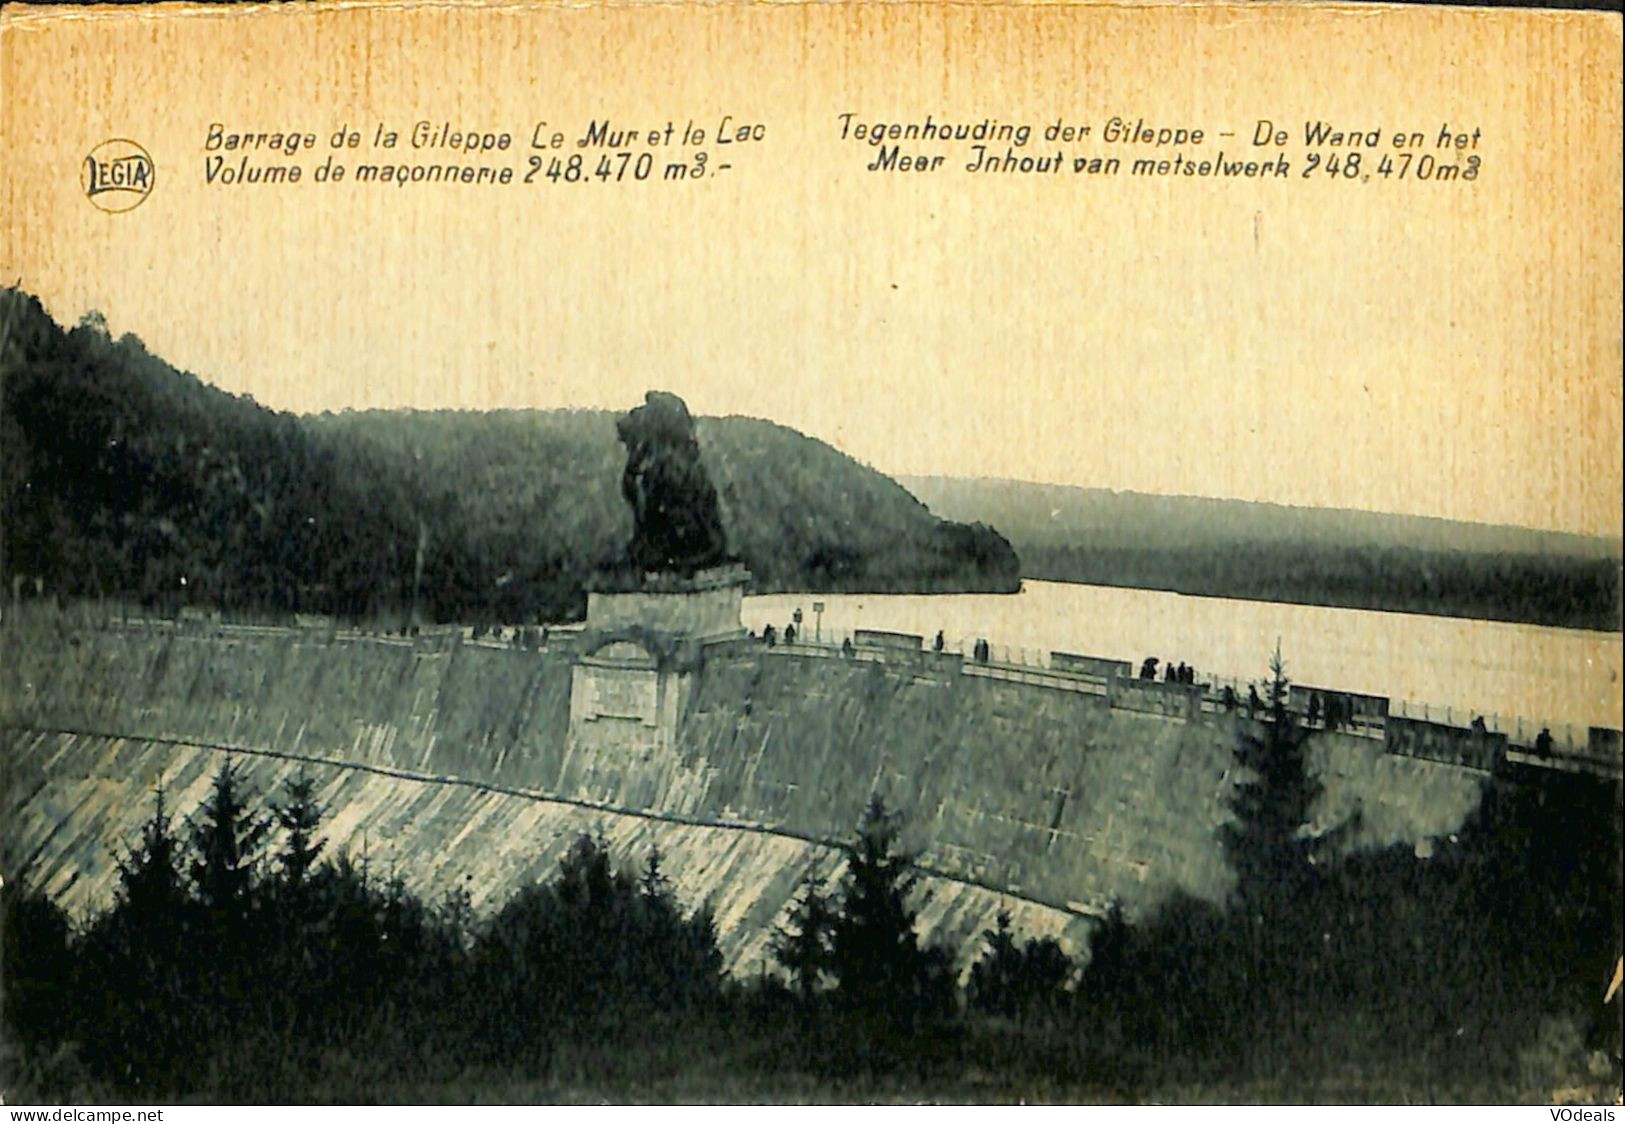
{"x":769,"y":637}
{"x":846,"y":648}
{"x":1148,"y":669}
{"x":789,"y":634}
{"x":1229,"y":698}
{"x":936,"y":645}
{"x":1543,"y":742}
{"x":1313,"y":717}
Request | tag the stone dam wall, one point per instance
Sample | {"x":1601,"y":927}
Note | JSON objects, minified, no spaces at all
{"x":456,"y":767}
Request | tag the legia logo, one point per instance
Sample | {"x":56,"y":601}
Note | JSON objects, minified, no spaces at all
{"x":118,"y":175}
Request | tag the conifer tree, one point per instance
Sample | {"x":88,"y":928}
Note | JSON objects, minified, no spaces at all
{"x":150,"y":887}
{"x":1265,"y":841}
{"x":139,"y":965}
{"x":1275,"y":880}
{"x":299,"y":817}
{"x":227,"y":842}
{"x":993,"y":976}
{"x":37,"y":964}
{"x":1017,"y":980}
{"x":803,"y":948}
{"x":653,"y":882}
{"x":880,"y":970}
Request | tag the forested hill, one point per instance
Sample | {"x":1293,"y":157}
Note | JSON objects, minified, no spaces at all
{"x":125,"y":477}
{"x":1261,"y":551}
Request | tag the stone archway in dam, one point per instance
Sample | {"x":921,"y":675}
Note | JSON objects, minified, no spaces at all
{"x":620,"y":694}
{"x":637,"y":665}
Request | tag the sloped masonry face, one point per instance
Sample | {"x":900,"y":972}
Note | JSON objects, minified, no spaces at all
{"x":640,"y":652}
{"x":1023,"y":781}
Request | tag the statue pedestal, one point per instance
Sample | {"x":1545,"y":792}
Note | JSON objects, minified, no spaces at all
{"x":704,"y":608}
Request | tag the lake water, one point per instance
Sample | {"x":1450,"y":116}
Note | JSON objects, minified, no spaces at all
{"x":1456,"y":668}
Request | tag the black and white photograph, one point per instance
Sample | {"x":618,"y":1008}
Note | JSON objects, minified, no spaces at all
{"x":810,"y":554}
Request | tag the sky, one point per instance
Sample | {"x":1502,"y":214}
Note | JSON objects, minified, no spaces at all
{"x":1440,"y":349}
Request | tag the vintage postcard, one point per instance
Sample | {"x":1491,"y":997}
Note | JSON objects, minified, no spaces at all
{"x":810,"y":552}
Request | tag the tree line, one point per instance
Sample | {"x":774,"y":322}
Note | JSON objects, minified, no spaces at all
{"x":1550,"y":589}
{"x":239,"y":961}
{"x":1312,"y":556}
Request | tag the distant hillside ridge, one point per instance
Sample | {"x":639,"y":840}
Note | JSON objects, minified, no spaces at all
{"x":1270,"y":552}
{"x":800,"y":514}
{"x":121,"y":476}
